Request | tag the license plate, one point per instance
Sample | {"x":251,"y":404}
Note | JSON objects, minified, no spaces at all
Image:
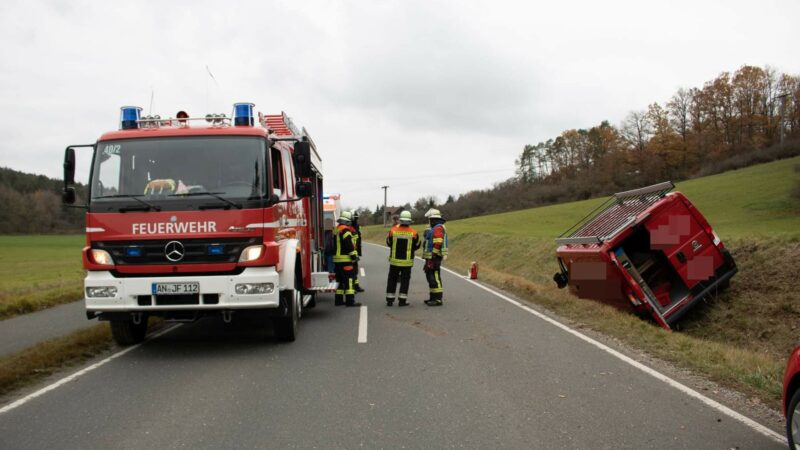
{"x":175,"y":288}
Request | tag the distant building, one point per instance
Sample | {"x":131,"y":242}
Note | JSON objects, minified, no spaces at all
{"x":393,"y":214}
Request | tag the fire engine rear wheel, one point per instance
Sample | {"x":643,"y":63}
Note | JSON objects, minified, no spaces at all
{"x":286,"y":327}
{"x":125,"y":332}
{"x":313,"y":302}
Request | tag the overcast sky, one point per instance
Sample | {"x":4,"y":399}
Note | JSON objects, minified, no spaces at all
{"x":428,"y":97}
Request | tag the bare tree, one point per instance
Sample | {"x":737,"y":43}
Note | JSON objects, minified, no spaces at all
{"x":637,"y":129}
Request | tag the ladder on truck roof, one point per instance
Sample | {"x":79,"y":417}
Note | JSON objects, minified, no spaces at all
{"x":283,"y":127}
{"x":614,"y":215}
{"x":281,"y":124}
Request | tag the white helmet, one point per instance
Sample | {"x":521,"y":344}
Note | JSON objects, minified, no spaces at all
{"x":405,"y":218}
{"x":345,"y":217}
{"x":433,"y":213}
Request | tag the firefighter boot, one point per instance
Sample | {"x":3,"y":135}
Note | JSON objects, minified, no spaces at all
{"x":403,"y":300}
{"x":338,"y":300}
{"x":436,"y":300}
{"x":390,"y":300}
{"x":351,"y":301}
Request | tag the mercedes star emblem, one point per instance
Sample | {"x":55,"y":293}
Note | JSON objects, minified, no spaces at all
{"x":174,"y":251}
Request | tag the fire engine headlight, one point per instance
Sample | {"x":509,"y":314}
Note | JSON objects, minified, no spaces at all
{"x":102,"y":257}
{"x":101,"y":291}
{"x":251,"y":253}
{"x":255,"y":288}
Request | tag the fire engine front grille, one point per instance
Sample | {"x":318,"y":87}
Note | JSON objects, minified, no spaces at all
{"x":612,"y":216}
{"x":195,"y":251}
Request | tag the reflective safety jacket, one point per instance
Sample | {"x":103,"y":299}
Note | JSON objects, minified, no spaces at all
{"x":356,"y":230}
{"x":426,"y":236}
{"x":403,"y":242}
{"x":345,"y":250}
{"x":435,"y":242}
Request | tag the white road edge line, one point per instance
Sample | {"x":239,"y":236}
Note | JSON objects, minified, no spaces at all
{"x":648,"y":370}
{"x":81,"y":372}
{"x":362,"y":325}
{"x":363,"y":273}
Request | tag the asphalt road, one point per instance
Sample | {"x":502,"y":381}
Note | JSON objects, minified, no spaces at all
{"x":476,"y":373}
{"x":21,"y":332}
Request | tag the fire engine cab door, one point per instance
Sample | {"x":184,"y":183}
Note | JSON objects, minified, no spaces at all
{"x":620,"y":258}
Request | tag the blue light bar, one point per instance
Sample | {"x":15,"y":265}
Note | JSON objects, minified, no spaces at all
{"x":243,"y":114}
{"x":133,"y":251}
{"x":215,"y":249}
{"x":128,"y":117}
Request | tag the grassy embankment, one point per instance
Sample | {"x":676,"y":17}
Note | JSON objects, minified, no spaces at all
{"x":38,"y":272}
{"x":44,"y":358}
{"x":740,"y":339}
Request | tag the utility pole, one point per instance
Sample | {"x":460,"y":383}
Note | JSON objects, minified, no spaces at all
{"x":384,"y":204}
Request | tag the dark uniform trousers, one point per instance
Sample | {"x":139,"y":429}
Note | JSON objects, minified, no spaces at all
{"x":433,"y":273}
{"x":401,"y":274}
{"x":345,"y":277}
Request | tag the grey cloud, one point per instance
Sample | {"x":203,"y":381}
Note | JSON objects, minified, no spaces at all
{"x":427,"y":70}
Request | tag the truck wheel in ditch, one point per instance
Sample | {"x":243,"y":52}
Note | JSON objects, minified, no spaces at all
{"x":286,"y":327}
{"x":793,"y":421}
{"x":125,"y":332}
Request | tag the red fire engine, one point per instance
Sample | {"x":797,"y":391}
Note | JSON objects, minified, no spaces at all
{"x":648,"y":248}
{"x":189,"y":217}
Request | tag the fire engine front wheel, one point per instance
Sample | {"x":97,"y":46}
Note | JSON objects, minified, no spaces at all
{"x":126,"y":332}
{"x":286,"y":326}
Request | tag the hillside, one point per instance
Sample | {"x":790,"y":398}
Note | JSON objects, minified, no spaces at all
{"x":740,"y":338}
{"x":753,"y":201}
{"x":32,"y":204}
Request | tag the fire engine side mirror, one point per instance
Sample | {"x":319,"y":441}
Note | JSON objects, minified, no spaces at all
{"x":302,"y":159}
{"x":69,"y":167}
{"x":304,"y":189}
{"x":68,"y":194}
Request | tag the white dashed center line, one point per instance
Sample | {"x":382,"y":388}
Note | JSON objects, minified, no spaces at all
{"x":362,"y":325}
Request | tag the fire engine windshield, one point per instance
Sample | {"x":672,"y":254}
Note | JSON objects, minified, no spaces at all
{"x":175,"y":169}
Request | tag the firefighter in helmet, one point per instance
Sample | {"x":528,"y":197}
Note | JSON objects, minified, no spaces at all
{"x":434,"y":251}
{"x":403,"y":241}
{"x":344,"y":258}
{"x":356,"y":230}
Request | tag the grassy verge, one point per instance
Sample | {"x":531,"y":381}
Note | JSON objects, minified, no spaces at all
{"x":43,"y":359}
{"x":740,"y":339}
{"x":37,"y":272}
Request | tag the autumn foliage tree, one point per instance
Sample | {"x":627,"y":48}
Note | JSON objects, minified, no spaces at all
{"x":751,"y":109}
{"x":736,"y":119}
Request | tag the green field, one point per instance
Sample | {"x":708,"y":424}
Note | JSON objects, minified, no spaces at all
{"x":750,"y":202}
{"x":37,"y":272}
{"x":741,"y":338}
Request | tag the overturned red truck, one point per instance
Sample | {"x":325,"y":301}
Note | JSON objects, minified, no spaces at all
{"x":649,"y":249}
{"x":197,"y":216}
